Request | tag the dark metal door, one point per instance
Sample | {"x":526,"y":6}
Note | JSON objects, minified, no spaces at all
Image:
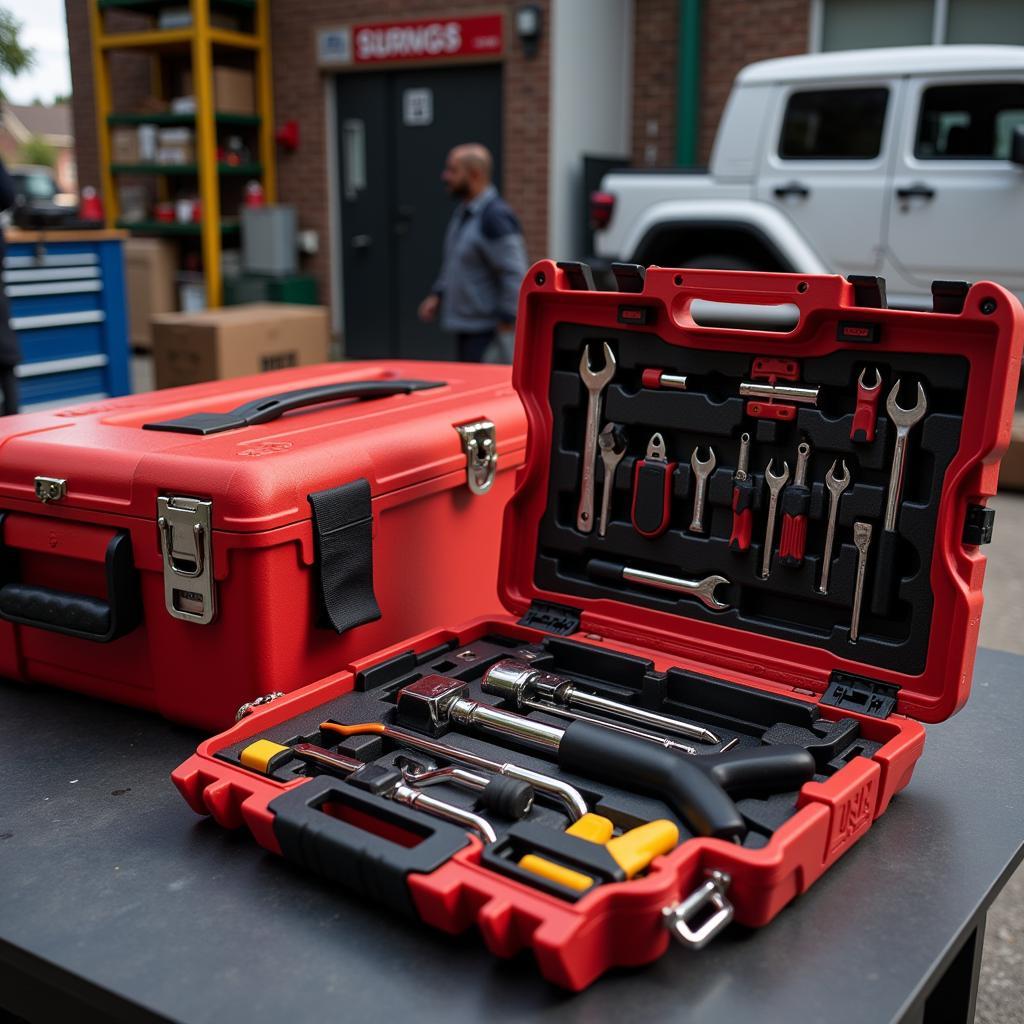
{"x":411,"y":120}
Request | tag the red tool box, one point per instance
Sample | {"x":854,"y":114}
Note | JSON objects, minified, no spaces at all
{"x":200,"y":547}
{"x":672,"y":729}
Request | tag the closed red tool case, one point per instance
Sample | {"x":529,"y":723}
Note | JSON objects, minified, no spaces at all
{"x":668,"y":732}
{"x":197,"y":548}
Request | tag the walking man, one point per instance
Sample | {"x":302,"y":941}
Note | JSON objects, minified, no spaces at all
{"x":484,"y":260}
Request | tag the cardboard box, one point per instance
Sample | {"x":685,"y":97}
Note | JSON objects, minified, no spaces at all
{"x":176,"y":146}
{"x":234,"y":89}
{"x":1011,"y":470}
{"x":124,"y":145}
{"x":231,"y":342}
{"x":150,"y":266}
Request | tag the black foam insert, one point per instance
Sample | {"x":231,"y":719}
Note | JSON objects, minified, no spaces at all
{"x":750,"y":717}
{"x":710,"y":412}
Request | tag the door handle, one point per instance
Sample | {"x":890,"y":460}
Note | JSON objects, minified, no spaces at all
{"x":361,"y":241}
{"x":792,"y":188}
{"x":919,"y":190}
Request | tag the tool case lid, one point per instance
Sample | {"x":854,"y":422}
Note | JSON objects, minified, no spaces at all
{"x":118,"y":456}
{"x":982,"y":324}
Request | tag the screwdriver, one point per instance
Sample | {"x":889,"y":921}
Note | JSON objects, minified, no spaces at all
{"x":742,"y":499}
{"x":795,"y":503}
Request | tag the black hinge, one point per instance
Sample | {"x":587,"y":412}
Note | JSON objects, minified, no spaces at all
{"x":860,"y":694}
{"x":978,"y":524}
{"x":579,"y":275}
{"x":552,"y":618}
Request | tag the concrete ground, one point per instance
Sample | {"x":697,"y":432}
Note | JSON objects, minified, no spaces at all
{"x":1001,"y":992}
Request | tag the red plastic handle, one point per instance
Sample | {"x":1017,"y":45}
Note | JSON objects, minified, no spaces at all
{"x":793,"y":540}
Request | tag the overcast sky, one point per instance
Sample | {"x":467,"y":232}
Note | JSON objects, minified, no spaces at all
{"x":44,"y":29}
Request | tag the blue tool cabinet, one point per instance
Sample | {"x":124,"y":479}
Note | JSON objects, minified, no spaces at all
{"x":66,"y":292}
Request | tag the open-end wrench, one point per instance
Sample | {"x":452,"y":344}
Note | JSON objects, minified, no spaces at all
{"x":701,"y":472}
{"x":612,"y":442}
{"x":836,"y":485}
{"x":885,"y":561}
{"x":595,"y":382}
{"x":703,"y":590}
{"x":775,"y":481}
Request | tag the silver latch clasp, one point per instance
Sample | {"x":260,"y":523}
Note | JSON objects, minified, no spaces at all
{"x":680,"y":917}
{"x":479,"y":442}
{"x":186,"y":545}
{"x":50,"y":488}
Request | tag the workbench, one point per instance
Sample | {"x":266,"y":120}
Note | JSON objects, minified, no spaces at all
{"x":118,"y":903}
{"x":67,"y":297}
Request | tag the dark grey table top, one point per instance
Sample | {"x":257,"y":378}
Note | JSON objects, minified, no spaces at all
{"x":115,"y":896}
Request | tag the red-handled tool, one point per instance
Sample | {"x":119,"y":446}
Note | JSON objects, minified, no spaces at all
{"x":742,"y":499}
{"x":661,"y":379}
{"x":866,"y":413}
{"x":652,"y":490}
{"x":795,"y":503}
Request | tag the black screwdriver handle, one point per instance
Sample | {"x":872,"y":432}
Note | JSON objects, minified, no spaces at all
{"x":695,"y":795}
{"x":768,"y":769}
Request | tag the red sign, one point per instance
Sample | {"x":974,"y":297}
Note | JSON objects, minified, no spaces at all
{"x":427,"y":39}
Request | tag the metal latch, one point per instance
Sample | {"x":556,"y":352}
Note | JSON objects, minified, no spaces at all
{"x":50,"y":488}
{"x":186,"y":540}
{"x":678,"y":918}
{"x":479,"y":442}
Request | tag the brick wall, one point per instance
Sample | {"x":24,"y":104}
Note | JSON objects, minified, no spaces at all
{"x":733,"y":33}
{"x":654,"y":82}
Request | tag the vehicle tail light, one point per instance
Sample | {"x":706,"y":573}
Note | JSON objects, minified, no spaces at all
{"x":602,"y":204}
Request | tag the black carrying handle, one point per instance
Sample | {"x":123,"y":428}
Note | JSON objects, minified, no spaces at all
{"x":350,"y":852}
{"x":78,"y":615}
{"x":777,"y":768}
{"x":263,"y":410}
{"x":696,"y":796}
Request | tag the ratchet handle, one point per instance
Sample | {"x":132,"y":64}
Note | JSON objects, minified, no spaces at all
{"x":695,"y":795}
{"x":652,"y":496}
{"x":768,"y":769}
{"x":742,"y":515}
{"x":793,"y":539}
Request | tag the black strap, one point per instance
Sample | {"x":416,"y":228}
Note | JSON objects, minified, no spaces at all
{"x":343,"y":533}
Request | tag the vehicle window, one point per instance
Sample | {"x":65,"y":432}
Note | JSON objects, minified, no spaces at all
{"x":35,"y":186}
{"x":833,"y":124}
{"x":969,"y":122}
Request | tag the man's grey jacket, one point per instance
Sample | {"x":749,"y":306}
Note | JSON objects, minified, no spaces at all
{"x":483,"y":266}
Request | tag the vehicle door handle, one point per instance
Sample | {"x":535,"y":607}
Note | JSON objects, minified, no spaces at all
{"x":792,"y":188}
{"x":919,"y":190}
{"x":362,"y":241}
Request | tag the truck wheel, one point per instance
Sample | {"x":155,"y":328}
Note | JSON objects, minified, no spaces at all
{"x":718,"y":261}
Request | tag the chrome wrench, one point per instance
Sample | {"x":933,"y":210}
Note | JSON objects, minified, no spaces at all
{"x":612,"y":442}
{"x":862,"y":540}
{"x":836,"y":485}
{"x":595,"y":382}
{"x":701,"y":471}
{"x":775,"y":481}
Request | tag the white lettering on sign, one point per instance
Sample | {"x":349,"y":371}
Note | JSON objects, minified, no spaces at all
{"x":417,"y":108}
{"x":433,"y":40}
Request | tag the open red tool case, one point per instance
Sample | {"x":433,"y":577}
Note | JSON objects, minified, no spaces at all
{"x":529,"y":774}
{"x":199,"y":547}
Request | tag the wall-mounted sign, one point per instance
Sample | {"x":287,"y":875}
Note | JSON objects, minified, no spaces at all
{"x":417,"y":108}
{"x":422,"y":39}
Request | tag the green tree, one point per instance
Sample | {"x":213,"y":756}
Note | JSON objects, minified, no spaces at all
{"x":14,"y":58}
{"x":37,"y":151}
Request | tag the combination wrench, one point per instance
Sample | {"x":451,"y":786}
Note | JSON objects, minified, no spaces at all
{"x":775,"y":481}
{"x":885,"y":561}
{"x":701,"y":471}
{"x":836,"y":485}
{"x":595,"y":382}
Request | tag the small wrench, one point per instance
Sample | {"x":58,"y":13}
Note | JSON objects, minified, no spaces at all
{"x":595,"y":382}
{"x":703,"y":590}
{"x":775,"y":484}
{"x":862,"y":540}
{"x":701,"y":470}
{"x":612,"y":442}
{"x":836,"y":485}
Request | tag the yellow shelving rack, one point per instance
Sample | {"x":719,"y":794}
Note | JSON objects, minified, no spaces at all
{"x":199,"y":40}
